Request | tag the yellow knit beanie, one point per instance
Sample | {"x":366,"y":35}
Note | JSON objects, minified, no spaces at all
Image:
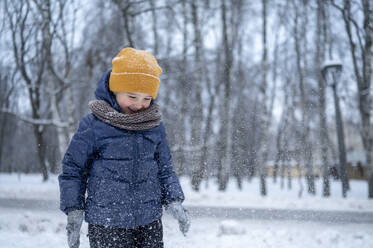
{"x":135,"y":71}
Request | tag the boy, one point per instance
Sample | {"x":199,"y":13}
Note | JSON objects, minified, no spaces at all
{"x":121,"y":157}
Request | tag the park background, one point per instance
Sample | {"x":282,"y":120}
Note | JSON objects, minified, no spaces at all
{"x":267,"y":104}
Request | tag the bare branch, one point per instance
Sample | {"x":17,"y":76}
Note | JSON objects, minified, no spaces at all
{"x":358,"y":30}
{"x":133,"y":14}
{"x":43,"y":122}
{"x":336,"y":5}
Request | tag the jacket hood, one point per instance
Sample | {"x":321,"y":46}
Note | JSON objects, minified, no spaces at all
{"x":103,"y":93}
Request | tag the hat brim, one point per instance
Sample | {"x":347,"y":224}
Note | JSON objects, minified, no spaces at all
{"x":134,"y":82}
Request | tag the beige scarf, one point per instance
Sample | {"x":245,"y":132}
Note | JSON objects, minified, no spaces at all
{"x":149,"y":118}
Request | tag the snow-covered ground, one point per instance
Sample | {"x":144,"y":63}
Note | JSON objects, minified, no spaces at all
{"x":31,"y":186}
{"x":20,"y":228}
{"x":278,"y":198}
{"x":25,"y":229}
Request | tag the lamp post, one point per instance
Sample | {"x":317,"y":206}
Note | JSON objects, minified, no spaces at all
{"x":331,"y":71}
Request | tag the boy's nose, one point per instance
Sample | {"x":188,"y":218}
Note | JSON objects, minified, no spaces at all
{"x":137,"y":106}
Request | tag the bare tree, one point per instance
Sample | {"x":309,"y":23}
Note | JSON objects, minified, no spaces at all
{"x":29,"y":23}
{"x":155,"y":28}
{"x":360,"y":38}
{"x":229,"y":37}
{"x":196,"y":114}
{"x":125,"y":8}
{"x":58,"y":86}
{"x":183,"y":90}
{"x":319,"y":57}
{"x":305,"y":107}
{"x":284,"y":136}
{"x":211,"y":88}
{"x":265,"y":121}
{"x":18,"y":16}
{"x":130,"y":9}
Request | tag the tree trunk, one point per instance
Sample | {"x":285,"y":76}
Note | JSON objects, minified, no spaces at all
{"x":124,"y":7}
{"x":367,"y":71}
{"x":184,"y":84}
{"x":41,"y":151}
{"x":154,"y":28}
{"x":200,"y":174}
{"x":323,"y":131}
{"x":4,"y":103}
{"x":306,"y":143}
{"x":226,"y":127}
{"x":265,"y":114}
{"x":196,"y":114}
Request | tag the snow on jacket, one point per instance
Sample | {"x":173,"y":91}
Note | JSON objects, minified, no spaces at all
{"x":127,"y":175}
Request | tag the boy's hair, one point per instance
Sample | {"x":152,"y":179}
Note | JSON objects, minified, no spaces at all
{"x":135,"y":71}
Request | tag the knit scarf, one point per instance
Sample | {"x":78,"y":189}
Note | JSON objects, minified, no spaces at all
{"x":149,"y":118}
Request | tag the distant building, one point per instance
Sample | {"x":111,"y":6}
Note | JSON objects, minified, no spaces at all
{"x":355,"y":156}
{"x":356,"y":167}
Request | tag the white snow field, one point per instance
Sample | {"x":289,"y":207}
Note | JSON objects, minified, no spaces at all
{"x":22,"y":228}
{"x":38,"y":229}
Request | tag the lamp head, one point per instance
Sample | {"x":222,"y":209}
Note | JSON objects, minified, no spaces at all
{"x":331,"y":71}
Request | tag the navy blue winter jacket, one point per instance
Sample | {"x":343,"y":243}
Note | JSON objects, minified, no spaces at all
{"x":127,"y":175}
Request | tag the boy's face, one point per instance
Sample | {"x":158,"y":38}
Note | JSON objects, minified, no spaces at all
{"x":133,"y":102}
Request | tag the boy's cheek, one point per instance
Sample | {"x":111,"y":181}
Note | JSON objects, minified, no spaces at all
{"x":125,"y":103}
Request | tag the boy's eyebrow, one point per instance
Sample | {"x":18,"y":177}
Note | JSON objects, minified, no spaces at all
{"x":135,"y":94}
{"x":132,"y":94}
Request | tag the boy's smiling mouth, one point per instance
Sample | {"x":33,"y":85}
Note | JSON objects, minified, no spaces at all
{"x":132,"y":111}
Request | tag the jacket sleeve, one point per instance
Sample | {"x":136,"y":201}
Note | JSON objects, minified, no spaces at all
{"x":75,"y":168}
{"x":170,"y":186}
